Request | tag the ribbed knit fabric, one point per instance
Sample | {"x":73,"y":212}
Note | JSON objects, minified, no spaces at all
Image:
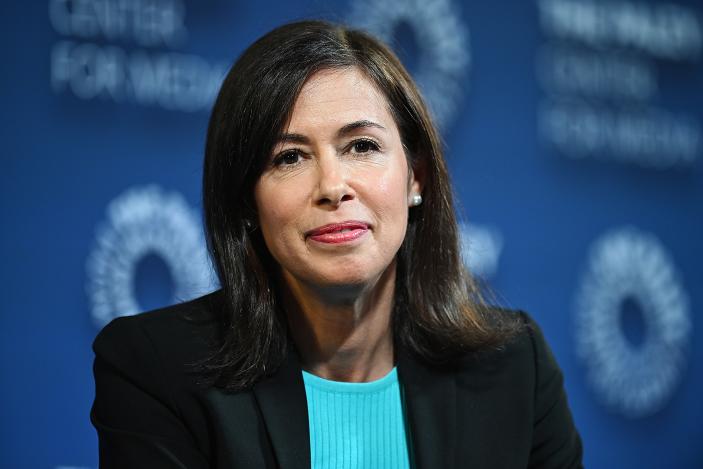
{"x":356,"y":425}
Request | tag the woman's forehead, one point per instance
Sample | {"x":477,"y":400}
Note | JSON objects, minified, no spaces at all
{"x":337,"y":97}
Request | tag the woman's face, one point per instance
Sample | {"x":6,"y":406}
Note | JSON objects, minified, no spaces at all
{"x":333,"y":199}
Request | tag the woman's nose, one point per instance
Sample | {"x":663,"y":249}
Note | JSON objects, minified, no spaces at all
{"x":332,"y":185}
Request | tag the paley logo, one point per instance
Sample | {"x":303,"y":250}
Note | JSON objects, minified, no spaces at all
{"x":142,"y":221}
{"x":628,"y":265}
{"x":443,"y":43}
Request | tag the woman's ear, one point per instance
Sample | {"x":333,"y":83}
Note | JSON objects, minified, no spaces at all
{"x":416,"y":182}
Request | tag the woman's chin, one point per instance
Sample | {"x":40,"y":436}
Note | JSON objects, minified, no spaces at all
{"x":346,"y":280}
{"x":353,"y":279}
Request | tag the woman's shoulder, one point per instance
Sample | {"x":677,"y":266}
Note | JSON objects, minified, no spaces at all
{"x":522,"y":356}
{"x":148,"y":387}
{"x":526,"y":384}
{"x":525,"y":331}
{"x":177,"y":336}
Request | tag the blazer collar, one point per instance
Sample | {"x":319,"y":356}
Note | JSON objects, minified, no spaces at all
{"x":429,"y":397}
{"x":430,"y":405}
{"x":281,"y":398}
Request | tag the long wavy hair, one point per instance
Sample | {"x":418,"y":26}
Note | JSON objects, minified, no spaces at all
{"x":438,"y":312}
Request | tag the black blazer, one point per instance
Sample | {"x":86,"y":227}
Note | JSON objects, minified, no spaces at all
{"x":497,"y":410}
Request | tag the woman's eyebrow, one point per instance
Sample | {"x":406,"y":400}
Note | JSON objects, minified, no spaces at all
{"x":349,"y":128}
{"x":293,"y":138}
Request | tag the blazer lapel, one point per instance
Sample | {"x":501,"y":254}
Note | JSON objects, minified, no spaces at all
{"x":430,"y":404}
{"x":281,"y":398}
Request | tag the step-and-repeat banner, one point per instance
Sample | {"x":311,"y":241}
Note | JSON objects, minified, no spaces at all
{"x":574,"y":133}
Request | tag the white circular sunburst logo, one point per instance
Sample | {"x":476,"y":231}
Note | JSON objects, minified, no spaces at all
{"x":142,"y":221}
{"x":442,"y":38}
{"x":634,"y":379}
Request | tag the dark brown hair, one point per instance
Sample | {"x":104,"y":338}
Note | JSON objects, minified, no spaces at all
{"x":438,"y":314}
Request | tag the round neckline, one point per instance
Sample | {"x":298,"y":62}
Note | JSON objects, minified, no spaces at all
{"x":344,"y":386}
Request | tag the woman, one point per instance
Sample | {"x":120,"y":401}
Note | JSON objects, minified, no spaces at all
{"x":346,"y":332}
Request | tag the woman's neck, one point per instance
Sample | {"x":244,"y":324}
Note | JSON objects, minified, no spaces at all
{"x":343,"y":333}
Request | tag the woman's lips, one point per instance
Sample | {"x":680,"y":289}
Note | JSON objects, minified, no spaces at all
{"x":336,"y":233}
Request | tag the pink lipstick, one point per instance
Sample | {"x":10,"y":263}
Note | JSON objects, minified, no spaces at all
{"x":337,"y":233}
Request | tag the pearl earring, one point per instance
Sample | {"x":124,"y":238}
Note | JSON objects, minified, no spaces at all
{"x":415,"y":200}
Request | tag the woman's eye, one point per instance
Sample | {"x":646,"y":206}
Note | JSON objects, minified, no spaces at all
{"x":364,"y":146}
{"x":288,"y":158}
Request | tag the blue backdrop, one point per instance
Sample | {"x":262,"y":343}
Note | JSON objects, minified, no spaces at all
{"x":574,"y":133}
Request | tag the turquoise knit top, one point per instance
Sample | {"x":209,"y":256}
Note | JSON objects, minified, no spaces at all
{"x":356,"y":425}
